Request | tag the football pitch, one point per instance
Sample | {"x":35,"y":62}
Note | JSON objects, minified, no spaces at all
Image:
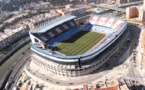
{"x":79,"y":43}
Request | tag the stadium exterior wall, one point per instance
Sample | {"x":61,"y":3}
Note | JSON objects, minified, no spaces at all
{"x":78,"y":65}
{"x":72,"y":70}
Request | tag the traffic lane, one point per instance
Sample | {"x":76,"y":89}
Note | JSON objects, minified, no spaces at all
{"x":133,"y":72}
{"x":18,"y":65}
{"x":17,"y":68}
{"x":15,"y":79}
{"x":16,"y":76}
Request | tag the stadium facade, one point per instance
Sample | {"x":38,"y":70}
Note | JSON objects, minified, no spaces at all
{"x":46,"y":38}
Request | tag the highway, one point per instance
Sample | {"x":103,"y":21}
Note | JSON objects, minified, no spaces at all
{"x":133,"y":76}
{"x":118,"y":7}
{"x":17,"y":69}
{"x":112,"y":8}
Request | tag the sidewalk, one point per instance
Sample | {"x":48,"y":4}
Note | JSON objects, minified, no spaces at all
{"x":55,"y":81}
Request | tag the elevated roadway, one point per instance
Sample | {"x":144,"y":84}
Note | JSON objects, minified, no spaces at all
{"x":112,"y":8}
{"x":118,"y":7}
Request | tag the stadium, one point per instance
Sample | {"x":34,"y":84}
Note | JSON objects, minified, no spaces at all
{"x":62,"y":47}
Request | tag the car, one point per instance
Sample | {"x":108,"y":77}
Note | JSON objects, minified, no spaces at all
{"x":19,"y":84}
{"x":7,"y":86}
{"x":97,"y":86}
{"x":122,"y":48}
{"x":135,"y":65}
{"x":70,"y":83}
{"x":15,"y":88}
{"x":107,"y":64}
{"x":134,"y":52}
{"x":25,"y":80}
{"x":57,"y":82}
{"x":29,"y":82}
{"x":134,"y":58}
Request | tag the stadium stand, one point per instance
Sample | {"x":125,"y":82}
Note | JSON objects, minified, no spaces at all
{"x":46,"y":58}
{"x":62,"y":28}
{"x":58,"y":30}
{"x":100,"y":29}
{"x":58,"y":33}
{"x":112,"y":27}
{"x":54,"y":32}
{"x":113,"y":23}
{"x":100,"y":24}
{"x":65,"y":26}
{"x":72,"y":23}
{"x":63,"y":36}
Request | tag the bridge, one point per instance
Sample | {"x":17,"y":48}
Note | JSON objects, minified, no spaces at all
{"x":112,"y":8}
{"x":118,"y":8}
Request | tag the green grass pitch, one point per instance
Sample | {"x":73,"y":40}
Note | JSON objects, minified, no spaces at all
{"x":79,"y":43}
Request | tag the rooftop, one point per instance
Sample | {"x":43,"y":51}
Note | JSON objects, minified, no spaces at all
{"x":2,"y":36}
{"x":53,"y":24}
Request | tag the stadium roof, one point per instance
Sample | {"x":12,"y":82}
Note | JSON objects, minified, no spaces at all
{"x":53,"y":24}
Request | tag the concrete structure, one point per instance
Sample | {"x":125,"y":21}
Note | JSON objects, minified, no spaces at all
{"x":61,"y":2}
{"x":142,"y":14}
{"x":121,"y":1}
{"x":126,"y":1}
{"x":132,"y":12}
{"x":39,"y":22}
{"x":68,"y":6}
{"x":10,"y":36}
{"x":96,"y":1}
{"x":87,"y":1}
{"x":43,"y":19}
{"x":73,"y":11}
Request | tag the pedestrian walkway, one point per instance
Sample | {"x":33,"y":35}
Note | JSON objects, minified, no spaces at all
{"x":56,"y":81}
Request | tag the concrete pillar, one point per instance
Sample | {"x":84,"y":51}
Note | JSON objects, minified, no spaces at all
{"x":32,"y":38}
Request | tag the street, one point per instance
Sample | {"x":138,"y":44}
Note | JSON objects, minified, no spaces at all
{"x":17,"y":70}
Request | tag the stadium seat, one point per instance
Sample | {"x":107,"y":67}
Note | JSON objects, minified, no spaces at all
{"x":54,"y":32}
{"x":106,"y":25}
{"x":65,"y":26}
{"x":72,"y":23}
{"x":63,"y":36}
{"x":98,"y":28}
{"x":98,"y":20}
{"x":58,"y":30}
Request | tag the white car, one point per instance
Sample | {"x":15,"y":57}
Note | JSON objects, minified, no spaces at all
{"x":15,"y":88}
